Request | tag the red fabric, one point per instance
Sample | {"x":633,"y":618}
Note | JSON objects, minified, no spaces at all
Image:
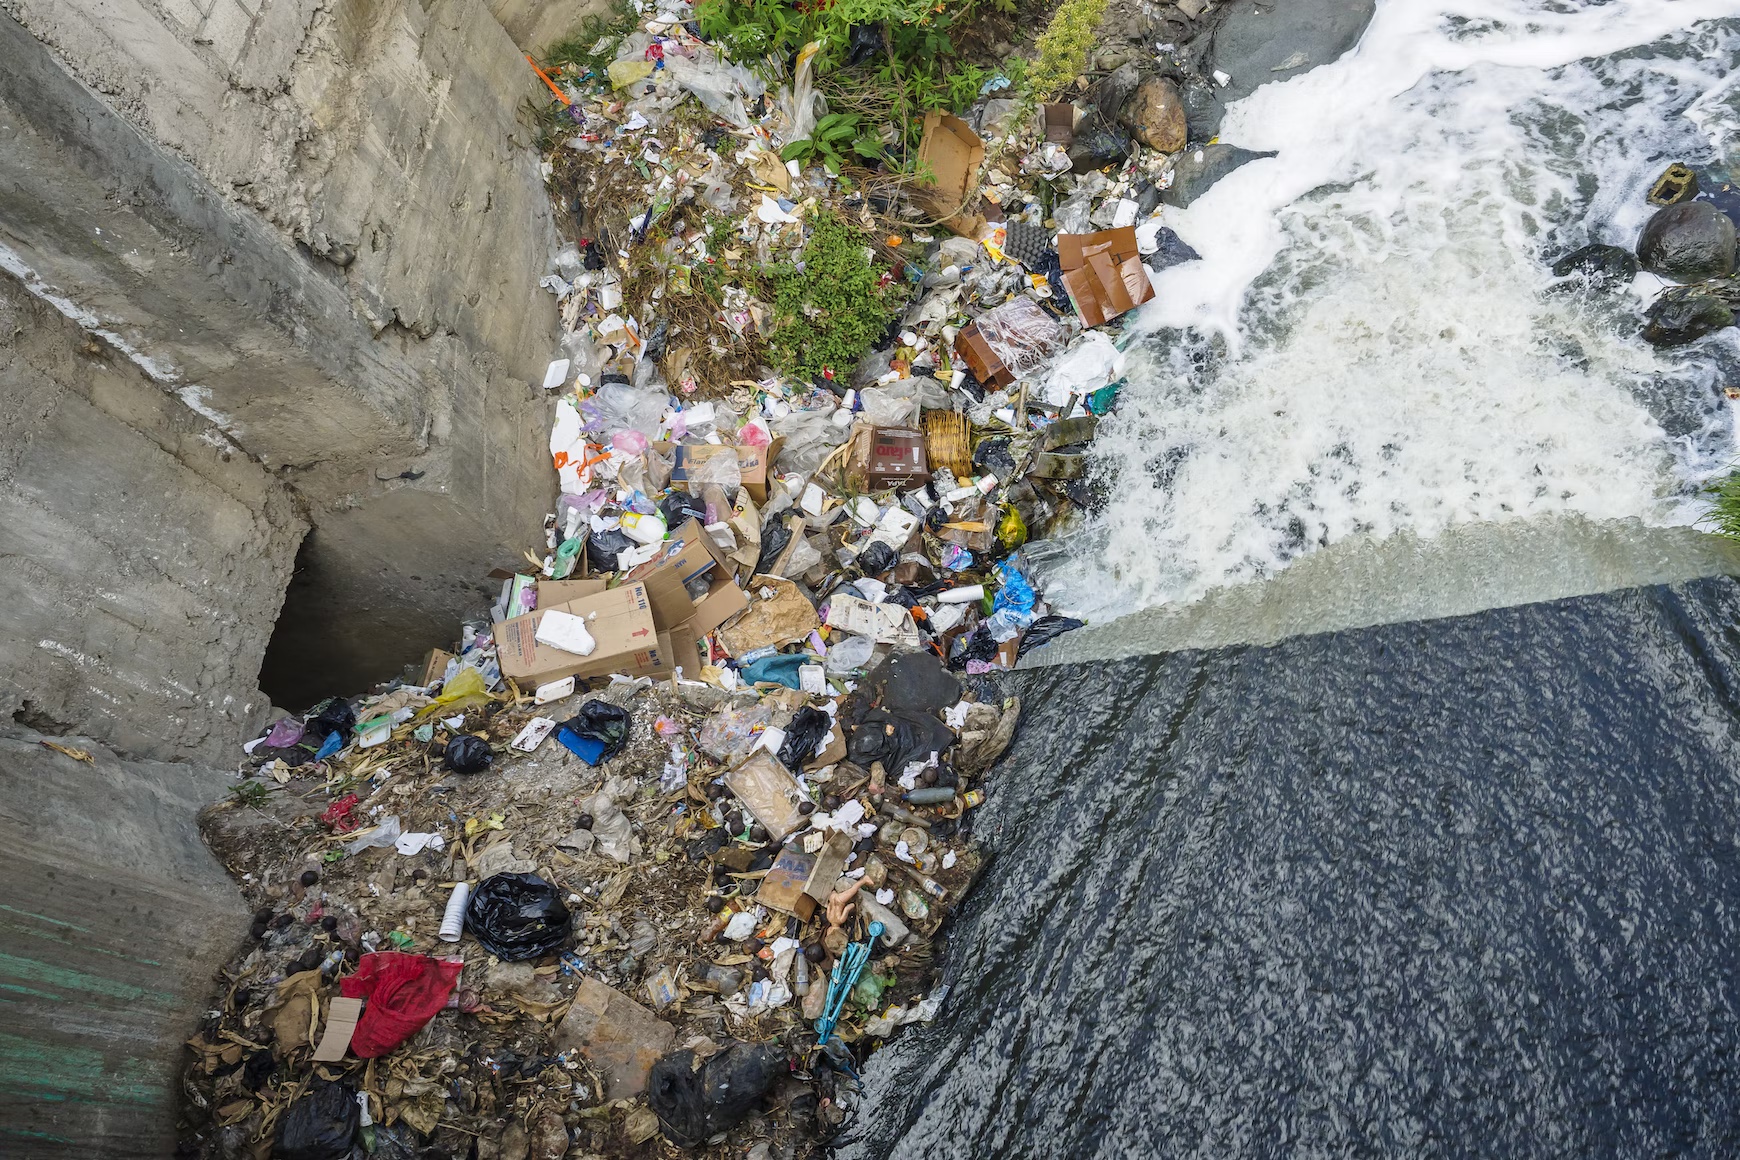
{"x":403,"y":993}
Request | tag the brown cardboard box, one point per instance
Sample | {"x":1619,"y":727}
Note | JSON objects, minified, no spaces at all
{"x":628,"y":641}
{"x":882,"y":457}
{"x":783,"y":888}
{"x":435,"y":665}
{"x":953,"y":153}
{"x":552,"y":593}
{"x":688,"y":554}
{"x":753,"y":463}
{"x":1103,"y":273}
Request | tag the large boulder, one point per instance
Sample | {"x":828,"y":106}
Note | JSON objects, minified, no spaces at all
{"x":1603,"y":267}
{"x":1685,"y":314}
{"x":1156,"y":115}
{"x":1196,"y":171}
{"x":1688,"y":242}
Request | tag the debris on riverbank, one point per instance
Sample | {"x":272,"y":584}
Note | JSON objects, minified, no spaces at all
{"x":666,"y":844}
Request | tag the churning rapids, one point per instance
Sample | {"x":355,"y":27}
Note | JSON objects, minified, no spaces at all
{"x":1467,"y":884}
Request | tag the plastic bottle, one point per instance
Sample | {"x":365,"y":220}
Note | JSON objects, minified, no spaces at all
{"x":802,"y":986}
{"x":931,"y":795}
{"x":453,"y":922}
{"x":643,"y":529}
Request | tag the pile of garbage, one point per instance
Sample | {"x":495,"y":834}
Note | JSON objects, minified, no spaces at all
{"x":664,"y":845}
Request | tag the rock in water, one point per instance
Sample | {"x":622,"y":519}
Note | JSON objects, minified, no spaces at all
{"x":1156,"y":115}
{"x":1605,"y":267}
{"x":1173,"y":251}
{"x":1685,"y":314}
{"x":1199,"y":169}
{"x":1688,"y":242}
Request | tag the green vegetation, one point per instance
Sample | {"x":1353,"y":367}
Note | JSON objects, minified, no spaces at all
{"x":1724,"y":510}
{"x":829,"y":314}
{"x":835,"y":134}
{"x":249,"y":793}
{"x":908,"y":62}
{"x":593,"y":47}
{"x":1063,"y":46}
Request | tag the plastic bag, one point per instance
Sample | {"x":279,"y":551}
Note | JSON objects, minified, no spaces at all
{"x":382,"y":836}
{"x":602,"y":548}
{"x":896,"y":740}
{"x":1083,"y":368}
{"x":597,"y":732}
{"x":733,"y":731}
{"x":801,"y":105}
{"x":808,"y":728}
{"x":320,"y":1125}
{"x":778,"y":669}
{"x":810,"y":437}
{"x":696,"y":1103}
{"x":1020,"y":334}
{"x":335,"y":715}
{"x":1045,"y":630}
{"x":616,"y":406}
{"x":877,"y":559}
{"x":721,"y":470}
{"x":517,"y":917}
{"x":467,"y":688}
{"x":403,"y":992}
{"x":847,"y":656}
{"x":720,"y":87}
{"x":467,"y":754}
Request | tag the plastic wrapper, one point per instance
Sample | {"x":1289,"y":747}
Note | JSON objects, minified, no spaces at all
{"x":1045,"y":630}
{"x":517,"y":917}
{"x":896,"y":740}
{"x":800,"y":105}
{"x":335,"y":715}
{"x":721,"y":88}
{"x":808,"y":728}
{"x":615,"y":406}
{"x":467,"y":754}
{"x":403,"y":991}
{"x":597,"y":732}
{"x":778,"y":669}
{"x":320,"y":1124}
{"x":1021,"y":334}
{"x":733,"y":731}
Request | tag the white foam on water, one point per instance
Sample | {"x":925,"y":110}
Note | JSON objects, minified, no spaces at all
{"x":1383,"y":352}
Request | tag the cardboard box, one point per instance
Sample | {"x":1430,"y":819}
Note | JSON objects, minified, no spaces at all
{"x":435,"y":666}
{"x":1103,"y":273}
{"x":552,"y":593}
{"x":753,"y":463}
{"x":882,"y":457}
{"x":691,"y":557}
{"x":953,"y":154}
{"x":628,"y":641}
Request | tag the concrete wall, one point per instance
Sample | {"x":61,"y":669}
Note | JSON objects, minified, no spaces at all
{"x":113,"y":925}
{"x":143,"y":557}
{"x":321,"y":226}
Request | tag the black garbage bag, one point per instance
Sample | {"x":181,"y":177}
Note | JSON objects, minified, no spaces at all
{"x":878,"y":559}
{"x":694,"y":1104}
{"x":993,"y":456}
{"x":1045,"y":630}
{"x":866,"y":44}
{"x":334,"y":715}
{"x":980,"y":646}
{"x":896,"y":740}
{"x":680,"y":507}
{"x":604,"y":723}
{"x":808,"y":727}
{"x":602,"y":547}
{"x":319,"y":1125}
{"x":467,"y":754}
{"x":517,"y":917}
{"x":912,"y":683}
{"x":774,"y":537}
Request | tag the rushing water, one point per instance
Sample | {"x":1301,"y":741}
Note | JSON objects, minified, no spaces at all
{"x":1372,"y":345}
{"x":1468,"y":886}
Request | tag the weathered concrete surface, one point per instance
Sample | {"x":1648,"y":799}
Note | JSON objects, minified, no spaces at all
{"x":323,"y":231}
{"x":535,"y":25}
{"x":114,"y":921}
{"x":143,"y":557}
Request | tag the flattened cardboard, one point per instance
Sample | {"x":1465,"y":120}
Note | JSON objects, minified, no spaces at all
{"x":435,"y":666}
{"x":954,"y":153}
{"x":341,"y":1020}
{"x":1103,"y":273}
{"x":691,"y":552}
{"x":769,"y":792}
{"x":785,"y":618}
{"x":618,"y":1037}
{"x":623,"y":627}
{"x":828,"y":864}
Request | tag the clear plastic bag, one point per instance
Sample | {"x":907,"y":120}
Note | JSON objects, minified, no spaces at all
{"x":616,"y":406}
{"x":721,"y":88}
{"x":1020,"y":334}
{"x":810,"y":437}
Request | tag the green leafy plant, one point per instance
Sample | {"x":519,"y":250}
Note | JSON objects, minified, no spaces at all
{"x":1724,"y":511}
{"x":829,"y":313}
{"x":1064,"y":45}
{"x":834,"y":135}
{"x":249,"y":793}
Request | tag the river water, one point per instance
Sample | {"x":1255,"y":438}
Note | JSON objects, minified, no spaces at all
{"x":1458,"y":870}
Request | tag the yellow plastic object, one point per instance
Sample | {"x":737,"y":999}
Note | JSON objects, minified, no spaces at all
{"x":462,"y":692}
{"x":1011,"y":529}
{"x":626,"y":72}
